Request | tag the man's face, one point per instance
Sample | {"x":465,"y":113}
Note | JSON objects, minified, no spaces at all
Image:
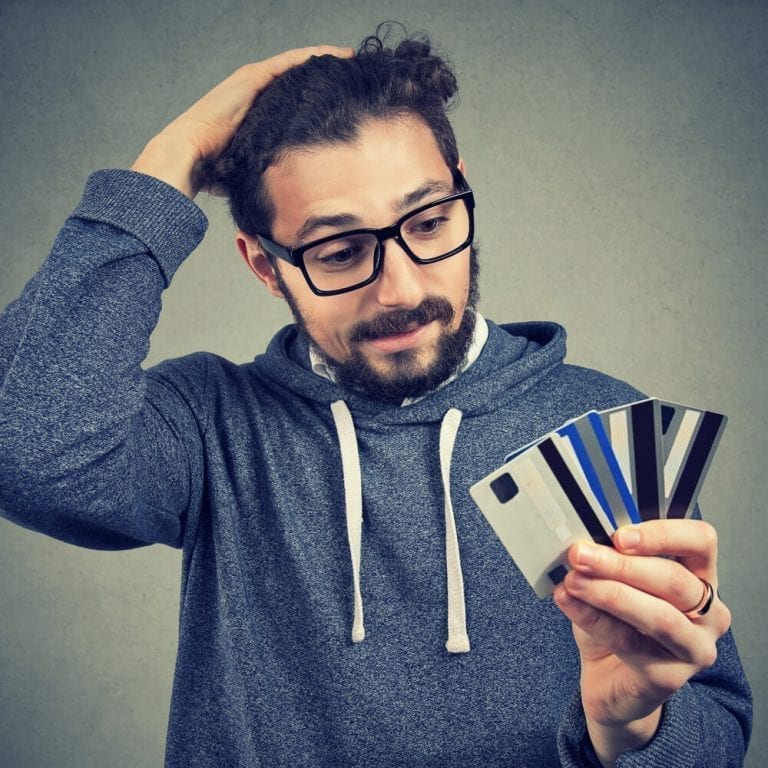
{"x":407,"y":331}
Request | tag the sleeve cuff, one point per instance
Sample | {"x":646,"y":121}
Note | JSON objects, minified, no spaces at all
{"x":161,"y":217}
{"x":675,"y":745}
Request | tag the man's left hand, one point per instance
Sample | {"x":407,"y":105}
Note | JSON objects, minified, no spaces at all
{"x":636,"y":623}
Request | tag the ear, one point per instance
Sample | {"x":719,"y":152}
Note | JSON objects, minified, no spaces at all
{"x":257,"y":260}
{"x":461,"y":166}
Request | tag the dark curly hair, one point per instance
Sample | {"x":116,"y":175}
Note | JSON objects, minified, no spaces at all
{"x":326,"y":100}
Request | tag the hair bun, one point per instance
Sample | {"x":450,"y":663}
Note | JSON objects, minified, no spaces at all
{"x":415,"y":54}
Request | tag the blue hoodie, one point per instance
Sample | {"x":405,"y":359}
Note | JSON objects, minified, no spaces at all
{"x":343,"y":601}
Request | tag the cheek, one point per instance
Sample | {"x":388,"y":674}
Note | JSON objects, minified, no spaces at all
{"x":455,"y":286}
{"x":329,"y":321}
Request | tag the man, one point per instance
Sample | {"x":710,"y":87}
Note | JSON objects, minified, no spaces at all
{"x":344,"y":603}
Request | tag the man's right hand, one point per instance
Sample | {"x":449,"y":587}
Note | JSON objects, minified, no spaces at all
{"x":206,"y":128}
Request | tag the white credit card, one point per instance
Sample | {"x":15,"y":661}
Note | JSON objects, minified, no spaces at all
{"x":533,"y":504}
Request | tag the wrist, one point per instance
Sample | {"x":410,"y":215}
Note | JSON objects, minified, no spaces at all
{"x":610,"y":741}
{"x":164,"y":159}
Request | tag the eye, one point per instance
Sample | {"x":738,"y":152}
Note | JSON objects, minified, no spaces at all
{"x":428,"y":227}
{"x":339,"y":255}
{"x":343,"y":256}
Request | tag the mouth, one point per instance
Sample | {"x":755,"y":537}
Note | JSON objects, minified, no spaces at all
{"x":398,"y":342}
{"x":402,"y":329}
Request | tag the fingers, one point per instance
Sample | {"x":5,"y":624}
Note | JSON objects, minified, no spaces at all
{"x":244,"y":84}
{"x":622,"y":618}
{"x":607,"y":644}
{"x":656,"y":576}
{"x":623,"y":598}
{"x":230,"y":99}
{"x":692,"y":542}
{"x":675,"y":583}
{"x":284,"y":61}
{"x":599,"y":630}
{"x":260,"y":73}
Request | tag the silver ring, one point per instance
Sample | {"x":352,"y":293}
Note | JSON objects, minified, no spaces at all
{"x":702,"y":607}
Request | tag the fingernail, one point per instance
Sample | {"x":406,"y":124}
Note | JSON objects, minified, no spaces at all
{"x":628,"y":538}
{"x":561,"y":595}
{"x":578,"y":581}
{"x":586,"y":555}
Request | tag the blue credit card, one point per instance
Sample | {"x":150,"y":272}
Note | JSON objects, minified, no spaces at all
{"x":602,"y":472}
{"x":634,"y":431}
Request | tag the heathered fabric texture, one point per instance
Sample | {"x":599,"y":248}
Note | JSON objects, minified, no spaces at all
{"x":239,"y":465}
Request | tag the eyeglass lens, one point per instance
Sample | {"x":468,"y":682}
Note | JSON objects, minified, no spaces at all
{"x":351,"y":259}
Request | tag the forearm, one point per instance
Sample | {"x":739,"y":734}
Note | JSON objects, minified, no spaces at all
{"x":72,"y":391}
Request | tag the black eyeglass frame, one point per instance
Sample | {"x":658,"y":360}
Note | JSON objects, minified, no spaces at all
{"x":295,"y":256}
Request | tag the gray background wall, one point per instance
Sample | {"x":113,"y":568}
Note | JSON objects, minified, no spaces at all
{"x":618,"y":152}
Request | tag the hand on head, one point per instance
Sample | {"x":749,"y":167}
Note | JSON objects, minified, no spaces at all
{"x":204,"y":130}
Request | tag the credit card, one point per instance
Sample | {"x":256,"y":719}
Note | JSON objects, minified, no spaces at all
{"x":601,"y":468}
{"x":634,"y":431}
{"x":690,"y":437}
{"x":534,"y":516}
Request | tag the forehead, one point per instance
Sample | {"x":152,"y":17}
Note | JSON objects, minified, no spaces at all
{"x":367,"y":178}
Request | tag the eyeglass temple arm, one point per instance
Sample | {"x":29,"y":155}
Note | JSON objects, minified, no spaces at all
{"x":276,"y":250}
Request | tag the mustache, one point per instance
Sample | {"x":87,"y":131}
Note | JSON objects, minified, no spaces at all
{"x":398,"y":321}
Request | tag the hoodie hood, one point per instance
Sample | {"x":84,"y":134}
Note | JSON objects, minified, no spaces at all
{"x":515,"y":357}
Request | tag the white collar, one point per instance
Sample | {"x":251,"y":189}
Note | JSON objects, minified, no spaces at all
{"x":479,"y":337}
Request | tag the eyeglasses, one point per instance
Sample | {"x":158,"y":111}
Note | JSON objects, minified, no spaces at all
{"x":350,"y":260}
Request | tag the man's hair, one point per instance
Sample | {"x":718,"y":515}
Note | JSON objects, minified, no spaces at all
{"x":326,"y":101}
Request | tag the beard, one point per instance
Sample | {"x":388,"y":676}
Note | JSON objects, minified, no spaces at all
{"x":406,"y":375}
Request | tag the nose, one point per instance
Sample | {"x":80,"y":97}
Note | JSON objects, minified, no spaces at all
{"x":399,"y":282}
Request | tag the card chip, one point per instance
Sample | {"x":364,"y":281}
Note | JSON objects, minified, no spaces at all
{"x":557,"y":574}
{"x":504,"y":487}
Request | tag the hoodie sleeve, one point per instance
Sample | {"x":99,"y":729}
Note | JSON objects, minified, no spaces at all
{"x":706,"y":724}
{"x":80,"y":421}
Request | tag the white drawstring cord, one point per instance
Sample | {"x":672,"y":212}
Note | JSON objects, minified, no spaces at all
{"x":458,"y":639}
{"x":353,"y":503}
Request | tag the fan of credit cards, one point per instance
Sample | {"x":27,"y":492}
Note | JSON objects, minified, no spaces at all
{"x":637,"y":462}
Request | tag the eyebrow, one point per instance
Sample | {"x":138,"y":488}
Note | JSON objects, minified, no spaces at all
{"x":343,"y":221}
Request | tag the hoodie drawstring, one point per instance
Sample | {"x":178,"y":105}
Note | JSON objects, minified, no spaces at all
{"x":458,"y":640}
{"x":353,"y":504}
